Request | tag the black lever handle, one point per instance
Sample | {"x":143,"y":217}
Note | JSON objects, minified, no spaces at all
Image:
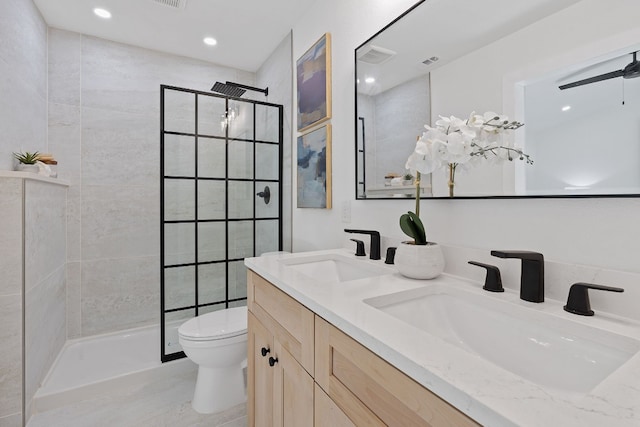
{"x":391,"y":255}
{"x":264,"y":351}
{"x":273,"y":361}
{"x":359,"y":247}
{"x":493,"y":280}
{"x":578,"y":300}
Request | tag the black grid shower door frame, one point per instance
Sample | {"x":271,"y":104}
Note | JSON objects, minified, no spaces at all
{"x":226,"y":220}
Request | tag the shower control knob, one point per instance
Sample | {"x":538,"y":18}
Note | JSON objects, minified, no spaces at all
{"x":273,"y":361}
{"x":264,"y":351}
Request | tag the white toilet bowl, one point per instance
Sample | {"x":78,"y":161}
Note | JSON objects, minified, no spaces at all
{"x":217,"y":342}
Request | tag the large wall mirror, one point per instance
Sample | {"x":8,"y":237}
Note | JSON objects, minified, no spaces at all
{"x":564,"y":68}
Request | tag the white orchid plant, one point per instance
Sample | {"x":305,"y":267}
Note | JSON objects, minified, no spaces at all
{"x":454,"y":142}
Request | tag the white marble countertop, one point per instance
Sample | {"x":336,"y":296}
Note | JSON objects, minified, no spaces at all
{"x":484,"y":391}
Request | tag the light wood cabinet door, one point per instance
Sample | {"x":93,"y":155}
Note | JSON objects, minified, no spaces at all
{"x":290,"y":322}
{"x":370,"y":391}
{"x":293,"y":391}
{"x":259,"y":375}
{"x":280,"y":390}
{"x":327,"y":413}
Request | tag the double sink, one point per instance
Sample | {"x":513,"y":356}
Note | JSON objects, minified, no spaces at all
{"x":562,"y":356}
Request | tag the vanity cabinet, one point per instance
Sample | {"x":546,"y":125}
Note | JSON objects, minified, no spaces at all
{"x":280,"y":358}
{"x":323,"y":377}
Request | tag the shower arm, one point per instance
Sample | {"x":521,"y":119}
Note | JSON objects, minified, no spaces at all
{"x":255,"y":89}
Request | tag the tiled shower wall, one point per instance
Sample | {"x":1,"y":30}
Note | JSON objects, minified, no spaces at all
{"x":104,"y":122}
{"x":277,"y":74}
{"x":23,"y":123}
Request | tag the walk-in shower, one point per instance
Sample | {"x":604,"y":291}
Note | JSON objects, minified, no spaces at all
{"x":220,"y":158}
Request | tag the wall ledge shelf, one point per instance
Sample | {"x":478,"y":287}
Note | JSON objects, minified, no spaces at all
{"x":34,"y":177}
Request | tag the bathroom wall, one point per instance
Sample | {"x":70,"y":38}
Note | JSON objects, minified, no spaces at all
{"x":23,"y":121}
{"x":104,"y":122}
{"x":11,"y":302}
{"x":23,"y":67}
{"x":32,"y":289}
{"x":599,"y":232}
{"x":44,"y":280}
{"x":396,"y":111}
{"x":277,"y":74}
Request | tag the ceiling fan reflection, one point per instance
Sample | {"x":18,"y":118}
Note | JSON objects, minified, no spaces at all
{"x":630,"y":71}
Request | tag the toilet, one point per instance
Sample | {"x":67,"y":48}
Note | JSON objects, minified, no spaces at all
{"x":217,"y":342}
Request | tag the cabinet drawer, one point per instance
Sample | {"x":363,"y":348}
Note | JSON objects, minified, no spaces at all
{"x":292,"y":323}
{"x":372,"y":392}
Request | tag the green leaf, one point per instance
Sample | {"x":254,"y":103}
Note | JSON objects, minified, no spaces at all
{"x":411,"y":225}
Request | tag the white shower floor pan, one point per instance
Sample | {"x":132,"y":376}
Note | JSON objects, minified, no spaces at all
{"x":99,"y":365}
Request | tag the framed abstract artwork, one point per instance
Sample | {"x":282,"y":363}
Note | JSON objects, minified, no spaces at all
{"x":313,"y":74}
{"x":314,"y":169}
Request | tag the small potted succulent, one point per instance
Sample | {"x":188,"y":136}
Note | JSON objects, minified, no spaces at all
{"x":27,"y":161}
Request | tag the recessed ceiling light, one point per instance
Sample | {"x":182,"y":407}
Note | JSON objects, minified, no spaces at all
{"x":369,"y":80}
{"x":102,"y":13}
{"x":566,"y":108}
{"x":210,"y":41}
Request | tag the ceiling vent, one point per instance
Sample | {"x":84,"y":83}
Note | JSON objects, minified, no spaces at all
{"x":176,"y":4}
{"x":375,"y":55}
{"x":430,"y":60}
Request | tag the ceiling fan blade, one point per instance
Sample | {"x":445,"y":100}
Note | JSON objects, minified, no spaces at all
{"x":594,"y":79}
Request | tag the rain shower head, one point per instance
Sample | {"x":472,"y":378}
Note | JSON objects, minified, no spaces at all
{"x":236,"y":90}
{"x":227,"y":89}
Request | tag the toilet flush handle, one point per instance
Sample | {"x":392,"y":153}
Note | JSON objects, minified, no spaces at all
{"x":264,"y":351}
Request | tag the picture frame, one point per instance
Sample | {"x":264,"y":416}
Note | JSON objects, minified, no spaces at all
{"x":313,"y":77}
{"x":314,"y":168}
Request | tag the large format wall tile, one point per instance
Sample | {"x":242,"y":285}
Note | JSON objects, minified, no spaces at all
{"x":64,"y":67}
{"x":10,"y":355}
{"x":119,"y":294}
{"x":127,"y":78}
{"x":23,"y":67}
{"x":11,"y":237}
{"x":23,"y":42}
{"x":119,"y":222}
{"x":277,"y":73}
{"x":64,"y":140}
{"x":74,"y":300}
{"x":119,"y":148}
{"x":45,"y":230}
{"x":23,"y":117}
{"x":45,"y":331}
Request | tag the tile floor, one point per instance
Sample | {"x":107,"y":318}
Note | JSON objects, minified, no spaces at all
{"x":162,"y":402}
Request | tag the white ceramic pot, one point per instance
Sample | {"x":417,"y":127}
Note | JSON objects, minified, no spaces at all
{"x":21,"y":167}
{"x":419,"y":261}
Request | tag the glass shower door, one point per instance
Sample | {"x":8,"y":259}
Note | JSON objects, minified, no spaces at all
{"x":220,"y":158}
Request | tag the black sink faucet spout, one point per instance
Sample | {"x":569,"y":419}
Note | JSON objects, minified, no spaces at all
{"x":532,"y":276}
{"x":375,"y":241}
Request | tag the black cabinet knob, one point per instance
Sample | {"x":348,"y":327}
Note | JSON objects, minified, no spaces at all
{"x":272,"y":361}
{"x":264,"y":351}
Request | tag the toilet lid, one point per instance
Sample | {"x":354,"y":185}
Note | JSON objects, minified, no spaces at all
{"x":216,"y":325}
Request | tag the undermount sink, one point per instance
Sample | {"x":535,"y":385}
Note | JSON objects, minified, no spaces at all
{"x":334,"y":268}
{"x":560,"y":355}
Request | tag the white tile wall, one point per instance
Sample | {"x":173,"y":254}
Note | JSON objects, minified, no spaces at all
{"x":23,"y":66}
{"x":113,"y":227}
{"x":277,"y":74}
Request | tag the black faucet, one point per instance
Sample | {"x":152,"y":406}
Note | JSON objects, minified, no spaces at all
{"x":375,"y":241}
{"x":532,"y":276}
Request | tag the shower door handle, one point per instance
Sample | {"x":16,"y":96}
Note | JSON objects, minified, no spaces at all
{"x":265,"y":194}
